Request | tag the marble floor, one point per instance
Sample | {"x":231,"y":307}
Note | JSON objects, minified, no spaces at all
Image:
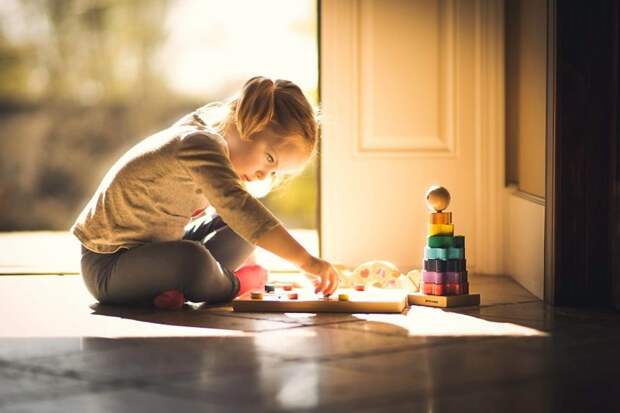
{"x":62,"y":352}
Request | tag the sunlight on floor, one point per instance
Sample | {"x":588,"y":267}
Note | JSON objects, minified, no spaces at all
{"x":59,"y":306}
{"x":58,"y":252}
{"x":428,"y":322}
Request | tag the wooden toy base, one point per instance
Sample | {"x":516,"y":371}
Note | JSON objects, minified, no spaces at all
{"x":369,"y":301}
{"x":443,"y":300}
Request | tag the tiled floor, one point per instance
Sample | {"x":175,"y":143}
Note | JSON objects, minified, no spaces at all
{"x":61,"y":352}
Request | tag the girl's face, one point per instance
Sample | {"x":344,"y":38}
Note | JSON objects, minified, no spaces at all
{"x":264,"y":155}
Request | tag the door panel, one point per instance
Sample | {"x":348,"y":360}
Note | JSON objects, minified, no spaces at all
{"x":404,"y":90}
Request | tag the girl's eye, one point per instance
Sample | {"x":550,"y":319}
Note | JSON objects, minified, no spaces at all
{"x":270,"y":158}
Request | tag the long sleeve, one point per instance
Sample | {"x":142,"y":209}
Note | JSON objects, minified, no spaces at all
{"x":205,"y":157}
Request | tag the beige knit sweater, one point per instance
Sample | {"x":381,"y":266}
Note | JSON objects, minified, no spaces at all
{"x":150,"y":193}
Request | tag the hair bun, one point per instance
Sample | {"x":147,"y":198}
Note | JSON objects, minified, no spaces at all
{"x":255,"y":106}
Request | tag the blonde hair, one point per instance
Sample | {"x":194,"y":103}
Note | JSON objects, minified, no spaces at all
{"x":264,"y":103}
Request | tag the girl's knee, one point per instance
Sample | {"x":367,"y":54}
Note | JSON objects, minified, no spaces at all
{"x":190,"y":256}
{"x":201,"y":276}
{"x":189,"y":252}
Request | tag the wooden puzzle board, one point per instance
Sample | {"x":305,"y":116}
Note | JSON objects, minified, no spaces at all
{"x":369,"y":301}
{"x":444,"y":301}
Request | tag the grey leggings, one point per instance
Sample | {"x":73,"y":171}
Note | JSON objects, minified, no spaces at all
{"x":198,"y":265}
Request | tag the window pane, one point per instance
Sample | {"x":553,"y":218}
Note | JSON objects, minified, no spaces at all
{"x":82,"y":81}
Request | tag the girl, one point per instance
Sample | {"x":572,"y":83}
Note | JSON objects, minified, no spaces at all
{"x":136,"y":244}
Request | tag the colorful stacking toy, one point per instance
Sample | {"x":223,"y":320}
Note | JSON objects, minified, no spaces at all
{"x":445,"y":268}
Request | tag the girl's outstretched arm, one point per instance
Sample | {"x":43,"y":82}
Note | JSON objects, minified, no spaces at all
{"x":205,"y":159}
{"x":280,"y":242}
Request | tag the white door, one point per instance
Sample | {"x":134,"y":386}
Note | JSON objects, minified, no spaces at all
{"x":411,"y":94}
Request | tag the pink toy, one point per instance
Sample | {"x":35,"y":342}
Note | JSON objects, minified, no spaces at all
{"x":251,"y":277}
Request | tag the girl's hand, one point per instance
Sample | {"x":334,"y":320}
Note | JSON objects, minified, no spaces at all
{"x":326,"y":272}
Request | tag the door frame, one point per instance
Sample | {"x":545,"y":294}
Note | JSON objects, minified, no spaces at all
{"x":581,"y":209}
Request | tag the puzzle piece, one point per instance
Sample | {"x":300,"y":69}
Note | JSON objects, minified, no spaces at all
{"x":440,"y":229}
{"x":440,"y":241}
{"x":438,"y":265}
{"x":444,"y":277}
{"x":445,"y":289}
{"x":445,"y":241}
{"x":443,"y":253}
{"x":440,"y":218}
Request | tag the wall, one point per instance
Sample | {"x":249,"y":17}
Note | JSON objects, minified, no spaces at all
{"x":524,"y":241}
{"x":526,"y":54}
{"x":524,"y":213}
